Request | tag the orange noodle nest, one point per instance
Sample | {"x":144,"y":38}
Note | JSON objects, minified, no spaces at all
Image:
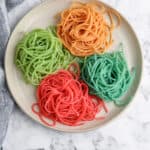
{"x":84,"y":28}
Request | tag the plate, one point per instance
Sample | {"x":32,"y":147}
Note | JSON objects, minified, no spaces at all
{"x":41,"y":17}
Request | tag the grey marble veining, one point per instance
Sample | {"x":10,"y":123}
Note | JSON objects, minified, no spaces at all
{"x":129,"y":132}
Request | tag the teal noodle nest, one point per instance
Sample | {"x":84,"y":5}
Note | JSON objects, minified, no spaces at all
{"x":39,"y":53}
{"x":108,"y":76}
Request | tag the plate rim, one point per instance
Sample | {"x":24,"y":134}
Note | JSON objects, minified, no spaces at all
{"x":111,"y":120}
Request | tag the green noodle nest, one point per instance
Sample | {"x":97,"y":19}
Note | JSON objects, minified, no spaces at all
{"x":39,"y":53}
{"x":107,"y":75}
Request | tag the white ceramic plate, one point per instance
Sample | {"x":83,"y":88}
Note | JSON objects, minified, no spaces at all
{"x":41,"y":17}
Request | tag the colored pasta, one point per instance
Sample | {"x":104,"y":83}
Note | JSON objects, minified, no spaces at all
{"x":84,"y":30}
{"x":108,"y":76}
{"x":39,"y":53}
{"x":62,"y":98}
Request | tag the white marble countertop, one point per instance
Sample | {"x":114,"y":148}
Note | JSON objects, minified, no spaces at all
{"x":130,"y":132}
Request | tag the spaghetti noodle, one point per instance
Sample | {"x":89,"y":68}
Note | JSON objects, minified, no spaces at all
{"x":39,"y":53}
{"x":84,"y":30}
{"x":63,"y":98}
{"x":108,"y":76}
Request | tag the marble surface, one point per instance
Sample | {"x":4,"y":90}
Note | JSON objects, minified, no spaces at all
{"x":130,"y":132}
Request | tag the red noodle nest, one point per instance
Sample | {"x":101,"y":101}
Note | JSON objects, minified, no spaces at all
{"x":65,"y":99}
